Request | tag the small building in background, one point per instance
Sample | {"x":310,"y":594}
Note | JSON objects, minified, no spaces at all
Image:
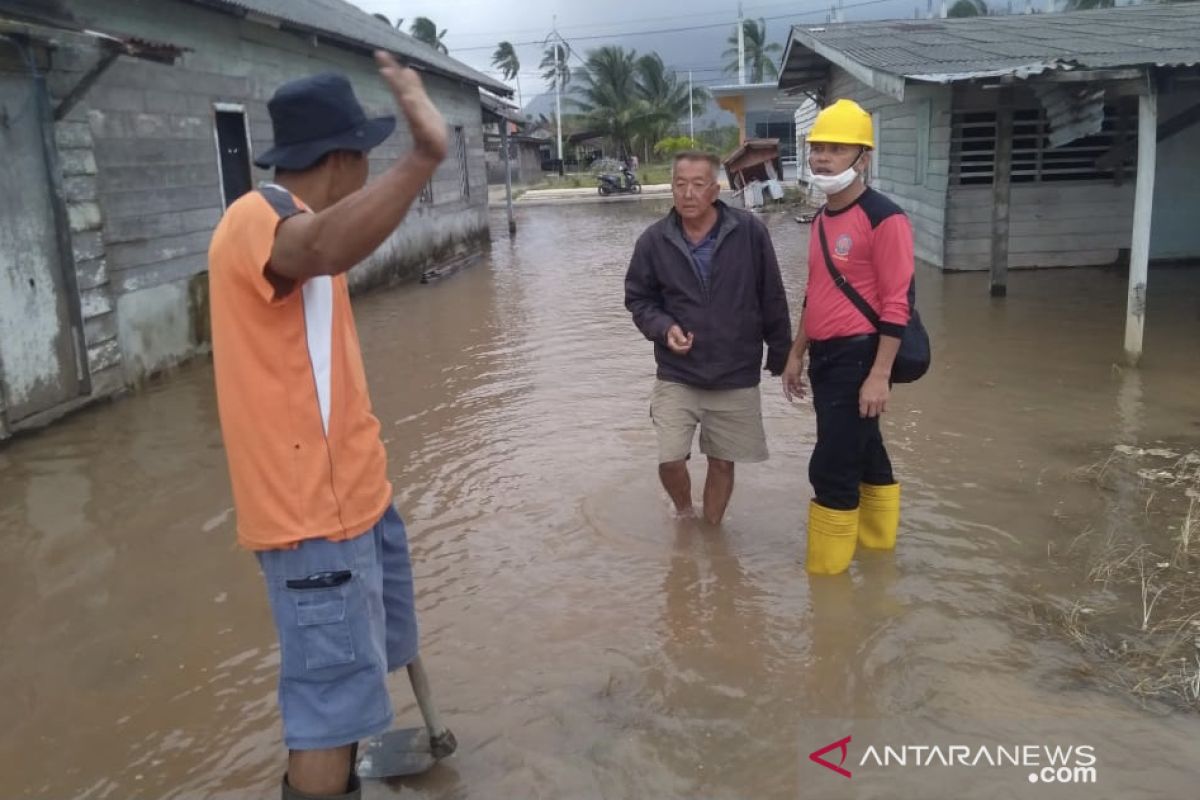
{"x":127,"y":129}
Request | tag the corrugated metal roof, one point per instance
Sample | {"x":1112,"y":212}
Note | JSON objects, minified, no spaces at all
{"x":343,"y":20}
{"x":948,"y":50}
{"x":498,"y":108}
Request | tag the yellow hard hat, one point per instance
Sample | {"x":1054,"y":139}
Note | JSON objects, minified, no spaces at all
{"x":844,"y":122}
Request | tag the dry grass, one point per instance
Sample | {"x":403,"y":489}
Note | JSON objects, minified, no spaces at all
{"x":1150,"y":641}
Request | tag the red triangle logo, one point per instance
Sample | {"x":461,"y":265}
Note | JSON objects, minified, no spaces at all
{"x":816,"y":756}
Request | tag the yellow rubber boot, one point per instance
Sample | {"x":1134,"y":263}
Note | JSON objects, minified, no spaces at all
{"x":878,"y":515}
{"x":832,"y":537}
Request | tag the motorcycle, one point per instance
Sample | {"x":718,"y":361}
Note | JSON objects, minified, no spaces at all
{"x":625,"y":183}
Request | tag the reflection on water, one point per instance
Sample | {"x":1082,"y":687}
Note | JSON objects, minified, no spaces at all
{"x":582,"y":643}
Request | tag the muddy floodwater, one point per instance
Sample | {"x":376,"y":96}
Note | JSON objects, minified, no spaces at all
{"x":583,"y":644}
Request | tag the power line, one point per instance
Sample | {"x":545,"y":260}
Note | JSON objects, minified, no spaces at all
{"x":594,"y":25}
{"x":686,"y":29}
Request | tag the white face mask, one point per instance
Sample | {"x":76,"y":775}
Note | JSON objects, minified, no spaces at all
{"x":832,"y":184}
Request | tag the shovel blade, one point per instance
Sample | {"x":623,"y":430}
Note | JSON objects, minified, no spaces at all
{"x":404,"y":751}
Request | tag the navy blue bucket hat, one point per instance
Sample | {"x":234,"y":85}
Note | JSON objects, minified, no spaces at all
{"x":317,"y":115}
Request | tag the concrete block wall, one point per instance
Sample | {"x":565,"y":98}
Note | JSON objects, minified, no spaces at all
{"x":148,"y":184}
{"x":73,"y":138}
{"x":77,"y":164}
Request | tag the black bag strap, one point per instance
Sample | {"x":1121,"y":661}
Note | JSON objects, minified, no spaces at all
{"x":839,"y":280}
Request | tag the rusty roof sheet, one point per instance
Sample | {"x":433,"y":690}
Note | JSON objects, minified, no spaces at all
{"x":59,"y":30}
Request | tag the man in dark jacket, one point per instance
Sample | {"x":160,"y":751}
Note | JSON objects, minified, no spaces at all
{"x":704,"y":286}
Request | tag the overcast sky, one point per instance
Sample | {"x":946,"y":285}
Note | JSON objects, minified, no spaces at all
{"x":474,"y":27}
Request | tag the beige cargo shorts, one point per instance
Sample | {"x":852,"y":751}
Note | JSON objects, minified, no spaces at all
{"x":730,"y":420}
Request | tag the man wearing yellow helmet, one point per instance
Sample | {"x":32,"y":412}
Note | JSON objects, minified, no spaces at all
{"x":861,"y":245}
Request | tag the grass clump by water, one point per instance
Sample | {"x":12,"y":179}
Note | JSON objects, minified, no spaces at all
{"x":1142,"y":621}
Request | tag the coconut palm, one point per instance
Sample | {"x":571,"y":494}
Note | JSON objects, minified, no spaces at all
{"x":505,"y":59}
{"x":610,"y":99}
{"x":555,"y":69}
{"x":666,"y":94}
{"x":424,"y":30}
{"x":760,"y":56}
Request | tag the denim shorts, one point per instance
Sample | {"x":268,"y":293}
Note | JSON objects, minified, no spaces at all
{"x":345,"y":618}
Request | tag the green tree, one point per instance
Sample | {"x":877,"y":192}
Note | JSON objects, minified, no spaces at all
{"x":968,"y":8}
{"x":505,"y":59}
{"x":555,"y":69}
{"x":719,"y":140}
{"x":424,"y":30}
{"x":676,"y":144}
{"x":760,"y":56}
{"x":609,"y":97}
{"x":666,"y":94}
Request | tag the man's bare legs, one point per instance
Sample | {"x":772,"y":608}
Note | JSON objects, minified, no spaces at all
{"x":320,"y":772}
{"x":678,"y":483}
{"x":718,"y":488}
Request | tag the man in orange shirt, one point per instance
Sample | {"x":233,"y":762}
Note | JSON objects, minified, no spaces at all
{"x":307,"y":465}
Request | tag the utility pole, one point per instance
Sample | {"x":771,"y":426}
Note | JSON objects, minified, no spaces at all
{"x":558,"y":87}
{"x":691,"y":111}
{"x":512,"y":223}
{"x":741,"y":47}
{"x":558,"y":95}
{"x":558,"y":80}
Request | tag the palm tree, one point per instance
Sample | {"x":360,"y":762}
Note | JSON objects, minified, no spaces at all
{"x":759,"y":54}
{"x":610,"y":98}
{"x":505,"y":59}
{"x":968,"y":8}
{"x":424,"y":30}
{"x":666,"y":95}
{"x":555,"y":69}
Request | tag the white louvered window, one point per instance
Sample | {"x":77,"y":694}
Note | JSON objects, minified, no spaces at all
{"x":973,"y":149}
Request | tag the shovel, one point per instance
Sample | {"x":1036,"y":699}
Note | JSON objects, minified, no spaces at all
{"x":409,"y":751}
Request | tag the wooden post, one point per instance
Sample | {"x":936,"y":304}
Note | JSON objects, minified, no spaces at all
{"x":1001,"y":185}
{"x":1143,"y":208}
{"x":512,"y":223}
